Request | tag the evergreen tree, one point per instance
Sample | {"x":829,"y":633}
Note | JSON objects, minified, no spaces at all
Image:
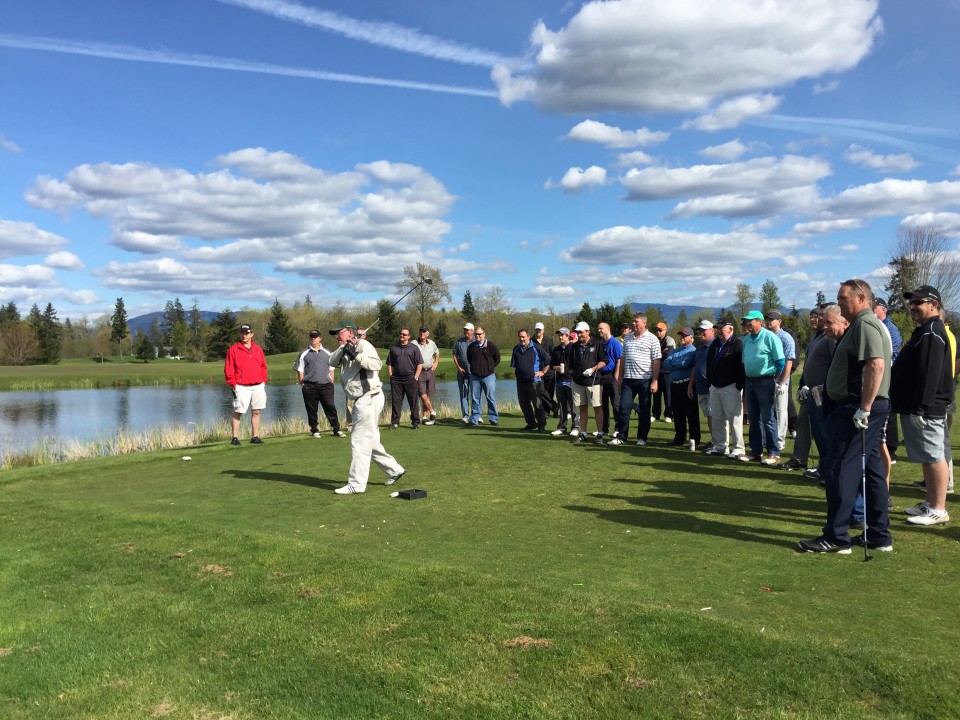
{"x":9,"y":314}
{"x":179,"y":339}
{"x":821,"y":298}
{"x":280,"y":337}
{"x":143,"y":349}
{"x":769,"y":297}
{"x":607,"y":313}
{"x":745,"y":297}
{"x":654,"y":316}
{"x":195,"y":327}
{"x":224,"y":332}
{"x":173,"y":313}
{"x":387,"y":329}
{"x":680,"y":323}
{"x":586,"y":315}
{"x":119,"y":330}
{"x":440,"y":334}
{"x":51,"y":340}
{"x":468,"y":311}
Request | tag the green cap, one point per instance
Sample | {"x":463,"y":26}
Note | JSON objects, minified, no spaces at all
{"x":753,"y":315}
{"x":343,"y":324}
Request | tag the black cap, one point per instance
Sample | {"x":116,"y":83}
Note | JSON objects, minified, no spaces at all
{"x":724,"y":321}
{"x":245,"y":329}
{"x":880,"y":302}
{"x":924,"y":292}
{"x":424,"y":328}
{"x":773,"y":315}
{"x":314,"y":333}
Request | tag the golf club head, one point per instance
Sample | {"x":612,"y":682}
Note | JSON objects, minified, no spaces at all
{"x":428,"y":280}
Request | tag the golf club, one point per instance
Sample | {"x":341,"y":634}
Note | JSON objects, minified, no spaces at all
{"x":863,"y":468}
{"x":423,"y":280}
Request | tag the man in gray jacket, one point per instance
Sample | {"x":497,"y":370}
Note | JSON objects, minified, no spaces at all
{"x":360,"y":366}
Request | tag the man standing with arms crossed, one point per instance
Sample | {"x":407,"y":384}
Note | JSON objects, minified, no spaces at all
{"x":316,"y":385}
{"x":404,"y":363}
{"x":857,"y":386}
{"x":360,"y":379}
{"x":639,"y":372}
{"x":245,"y":370}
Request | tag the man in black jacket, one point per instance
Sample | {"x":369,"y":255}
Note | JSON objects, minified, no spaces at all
{"x":921,"y":388}
{"x":584,"y":360}
{"x":484,"y":356}
{"x":726,"y":376}
{"x":529,"y":362}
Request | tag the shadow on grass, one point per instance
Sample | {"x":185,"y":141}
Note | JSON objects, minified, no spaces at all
{"x":679,"y":505}
{"x":318,"y":483}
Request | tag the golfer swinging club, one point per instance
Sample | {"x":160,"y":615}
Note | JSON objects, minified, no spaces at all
{"x":360,"y":378}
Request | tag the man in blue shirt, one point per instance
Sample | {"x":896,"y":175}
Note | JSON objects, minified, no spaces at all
{"x":763,"y":363}
{"x":609,"y":389}
{"x":678,"y":366}
{"x":530,"y":364}
{"x":699,"y":388}
{"x":881,"y":310}
{"x":782,"y":402}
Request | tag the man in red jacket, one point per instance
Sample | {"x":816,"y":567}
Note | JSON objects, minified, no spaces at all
{"x":245,"y":370}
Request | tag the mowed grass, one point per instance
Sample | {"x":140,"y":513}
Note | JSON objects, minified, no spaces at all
{"x":538,"y":579}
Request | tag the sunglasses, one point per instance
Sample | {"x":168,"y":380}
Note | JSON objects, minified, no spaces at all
{"x":917,"y":302}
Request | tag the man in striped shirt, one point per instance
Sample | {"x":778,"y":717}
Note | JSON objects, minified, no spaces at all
{"x":637,"y":379}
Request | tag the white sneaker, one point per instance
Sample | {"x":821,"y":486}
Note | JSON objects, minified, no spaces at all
{"x":316,"y":434}
{"x":919,"y":509}
{"x":339,"y":433}
{"x":668,"y":419}
{"x":465,"y":420}
{"x":693,"y":445}
{"x":615,"y":441}
{"x":347,"y":490}
{"x":392,"y":480}
{"x":641,"y":443}
{"x":770,"y":460}
{"x":652,"y":419}
{"x":574,"y":432}
{"x":930,"y":517}
{"x":557,"y":433}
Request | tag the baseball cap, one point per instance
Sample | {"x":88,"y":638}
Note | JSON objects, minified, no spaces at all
{"x":880,"y":302}
{"x":704,"y":325}
{"x":924,"y":292}
{"x":724,"y":321}
{"x":773,"y":315}
{"x":685,"y":331}
{"x":538,"y":326}
{"x":563,"y":331}
{"x":424,"y":328}
{"x":245,"y":329}
{"x":661,"y":326}
{"x":468,"y":326}
{"x":581,"y":326}
{"x":314,"y":333}
{"x":753,"y":315}
{"x":343,"y":324}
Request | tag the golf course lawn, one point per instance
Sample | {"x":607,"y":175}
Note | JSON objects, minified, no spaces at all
{"x":538,"y":579}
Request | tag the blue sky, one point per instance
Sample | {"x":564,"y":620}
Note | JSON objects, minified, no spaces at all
{"x":235,"y":151}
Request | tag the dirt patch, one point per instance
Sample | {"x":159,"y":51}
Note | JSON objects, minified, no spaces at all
{"x":6,"y":651}
{"x":216,"y":570}
{"x":525,"y":642}
{"x":311,"y":592}
{"x":177,"y":556}
{"x":163,"y":709}
{"x":391,"y":627}
{"x":128,"y":549}
{"x":638,"y":683}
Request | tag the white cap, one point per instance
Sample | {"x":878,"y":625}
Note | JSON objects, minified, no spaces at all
{"x":468,"y":326}
{"x":581,"y":326}
{"x":704,"y":325}
{"x":538,"y":326}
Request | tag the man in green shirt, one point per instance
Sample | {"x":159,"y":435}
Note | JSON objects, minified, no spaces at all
{"x":857,"y":389}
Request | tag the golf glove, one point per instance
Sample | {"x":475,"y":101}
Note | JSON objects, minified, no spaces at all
{"x":349,"y":350}
{"x":588,"y":372}
{"x":861,"y":418}
{"x":781,"y":389}
{"x":802,"y":394}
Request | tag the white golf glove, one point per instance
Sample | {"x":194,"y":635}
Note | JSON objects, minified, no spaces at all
{"x":781,"y":389}
{"x":802,"y":394}
{"x":861,"y":418}
{"x":588,"y":372}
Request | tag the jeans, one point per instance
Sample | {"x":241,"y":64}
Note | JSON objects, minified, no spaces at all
{"x":844,"y":479}
{"x":463,"y":385}
{"x":760,"y":394}
{"x":640,"y":389}
{"x":487,"y":385}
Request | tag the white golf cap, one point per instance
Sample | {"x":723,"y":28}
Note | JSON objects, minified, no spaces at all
{"x":704,"y":325}
{"x":581,"y":326}
{"x":468,"y":326}
{"x":538,"y":326}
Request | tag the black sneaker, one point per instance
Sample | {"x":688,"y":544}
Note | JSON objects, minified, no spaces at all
{"x":582,"y":437}
{"x":255,"y":440}
{"x":530,"y":427}
{"x":822,"y":545}
{"x":871,"y":545}
{"x":235,"y":441}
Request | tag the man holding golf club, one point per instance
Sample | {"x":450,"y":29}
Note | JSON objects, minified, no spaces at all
{"x":360,"y":366}
{"x":857,"y":388}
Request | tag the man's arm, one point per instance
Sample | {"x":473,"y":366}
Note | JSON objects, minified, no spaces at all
{"x":436,"y":357}
{"x":872,"y":377}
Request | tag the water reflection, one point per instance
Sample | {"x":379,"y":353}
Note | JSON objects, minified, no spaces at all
{"x":29,"y":417}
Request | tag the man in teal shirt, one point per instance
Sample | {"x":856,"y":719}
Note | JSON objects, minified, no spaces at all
{"x":763,"y":362}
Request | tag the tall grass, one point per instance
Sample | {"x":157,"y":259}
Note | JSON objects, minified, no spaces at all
{"x":49,"y":451}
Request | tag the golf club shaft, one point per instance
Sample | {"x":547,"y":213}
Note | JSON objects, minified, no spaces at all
{"x":428,"y":281}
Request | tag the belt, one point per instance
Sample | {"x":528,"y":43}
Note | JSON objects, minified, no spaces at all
{"x":761,"y":377}
{"x":250,"y":384}
{"x":677,"y":382}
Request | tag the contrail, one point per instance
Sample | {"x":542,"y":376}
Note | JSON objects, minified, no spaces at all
{"x":134,"y":54}
{"x":385,"y":34}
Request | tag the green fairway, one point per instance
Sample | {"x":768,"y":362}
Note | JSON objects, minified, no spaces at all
{"x":538,"y":579}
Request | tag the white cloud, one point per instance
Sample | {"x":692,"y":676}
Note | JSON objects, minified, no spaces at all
{"x":726,"y":152}
{"x":681,"y":56}
{"x":956,"y":171}
{"x":613,"y":137}
{"x":80,"y":297}
{"x":948,"y":222}
{"x":883,"y":163}
{"x":63,"y":260}
{"x":827,"y":86}
{"x":553,"y":291}
{"x":825,"y":227}
{"x":632,"y":159}
{"x":893,"y":197}
{"x":27,"y":275}
{"x":9,"y":145}
{"x":849,"y":248}
{"x":749,"y":204}
{"x":733,"y":112}
{"x":576,"y":179}
{"x":23,"y":238}
{"x":757,"y":175}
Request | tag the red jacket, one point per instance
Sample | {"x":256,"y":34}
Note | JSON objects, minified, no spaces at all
{"x":243,"y":366}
